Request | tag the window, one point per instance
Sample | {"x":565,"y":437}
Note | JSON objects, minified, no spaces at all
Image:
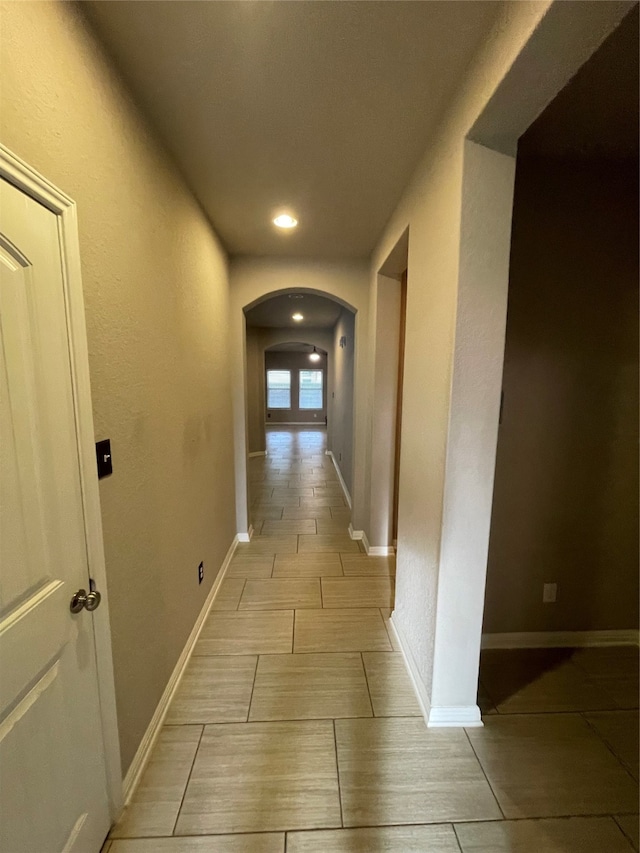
{"x":311,"y":389}
{"x":278,"y":389}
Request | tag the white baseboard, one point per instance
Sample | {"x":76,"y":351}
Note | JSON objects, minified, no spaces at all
{"x":371,"y":550}
{"x":419,"y":687}
{"x":355,"y":534}
{"x":434,"y":717}
{"x":255,"y":453}
{"x":560,"y":639}
{"x":147,"y":743}
{"x":347,"y":496}
{"x":381,"y":551}
{"x":360,"y":536}
{"x":455,"y":716}
{"x":245,"y":537}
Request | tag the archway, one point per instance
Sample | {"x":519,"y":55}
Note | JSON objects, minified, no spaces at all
{"x":254,"y":282}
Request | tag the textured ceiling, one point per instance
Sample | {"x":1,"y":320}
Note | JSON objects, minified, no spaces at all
{"x":275,"y":313}
{"x":596,"y":114}
{"x":320,"y":107}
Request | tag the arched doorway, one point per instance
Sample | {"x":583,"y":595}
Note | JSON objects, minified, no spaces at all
{"x":327,"y":331}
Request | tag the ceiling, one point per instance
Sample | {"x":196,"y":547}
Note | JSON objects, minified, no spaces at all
{"x":322,"y":108}
{"x":275,"y":313}
{"x":596,"y":114}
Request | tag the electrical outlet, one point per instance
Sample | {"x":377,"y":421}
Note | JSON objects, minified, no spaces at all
{"x":200,"y":572}
{"x":549,"y":593}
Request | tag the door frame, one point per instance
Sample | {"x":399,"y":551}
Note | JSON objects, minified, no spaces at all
{"x":15,"y":171}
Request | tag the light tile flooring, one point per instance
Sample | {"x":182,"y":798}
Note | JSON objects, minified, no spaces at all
{"x":296,"y":728}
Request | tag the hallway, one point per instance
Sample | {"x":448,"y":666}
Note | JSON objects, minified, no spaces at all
{"x":296,"y":716}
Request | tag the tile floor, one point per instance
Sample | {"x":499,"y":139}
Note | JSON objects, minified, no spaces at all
{"x":296,"y":728}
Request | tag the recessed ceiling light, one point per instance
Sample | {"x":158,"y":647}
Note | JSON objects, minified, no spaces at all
{"x":285,"y":221}
{"x":297,"y":317}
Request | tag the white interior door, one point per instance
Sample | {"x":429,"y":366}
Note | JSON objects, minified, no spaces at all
{"x":53,"y":789}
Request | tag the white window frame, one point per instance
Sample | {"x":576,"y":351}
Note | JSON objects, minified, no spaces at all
{"x":311,"y":408}
{"x":279,"y":370}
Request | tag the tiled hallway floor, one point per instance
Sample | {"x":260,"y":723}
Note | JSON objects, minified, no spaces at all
{"x":296,"y":728}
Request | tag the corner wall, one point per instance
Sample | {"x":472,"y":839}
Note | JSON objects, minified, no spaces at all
{"x":156,"y":300}
{"x":502,"y":93}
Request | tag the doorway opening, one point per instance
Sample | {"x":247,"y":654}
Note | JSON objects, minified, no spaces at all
{"x":388,"y":379}
{"x":398,"y":431}
{"x":300,"y":350}
{"x":562,"y":563}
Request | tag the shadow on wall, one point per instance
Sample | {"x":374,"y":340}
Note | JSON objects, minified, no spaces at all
{"x":341,"y":423}
{"x":565,"y":501}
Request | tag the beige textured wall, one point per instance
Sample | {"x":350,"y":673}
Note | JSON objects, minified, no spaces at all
{"x":566,"y":491}
{"x":431,"y":208}
{"x":255,"y":391}
{"x":343,"y":400}
{"x":156,"y":295}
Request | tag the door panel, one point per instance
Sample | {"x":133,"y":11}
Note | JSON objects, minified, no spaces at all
{"x":53,"y":793}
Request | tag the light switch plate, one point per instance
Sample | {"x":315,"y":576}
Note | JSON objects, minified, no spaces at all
{"x":103,"y":458}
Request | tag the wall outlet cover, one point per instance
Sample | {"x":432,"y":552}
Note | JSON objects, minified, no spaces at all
{"x":549,"y":593}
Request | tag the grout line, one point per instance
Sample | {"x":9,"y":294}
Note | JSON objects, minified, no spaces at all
{"x":455,"y":832}
{"x":335,"y":744}
{"x":184,"y":793}
{"x":606,"y":743}
{"x":319,"y":829}
{"x":237,"y":610}
{"x":504,"y":817}
{"x":253,"y":687}
{"x":313,"y":652}
{"x":366,"y":678}
{"x":614,"y":818}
